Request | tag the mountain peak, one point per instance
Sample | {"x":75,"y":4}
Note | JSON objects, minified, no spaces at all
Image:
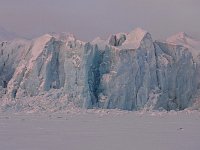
{"x":181,"y":36}
{"x":100,"y":42}
{"x":139,"y":32}
{"x":187,"y":41}
{"x":135,"y":37}
{"x":64,"y":36}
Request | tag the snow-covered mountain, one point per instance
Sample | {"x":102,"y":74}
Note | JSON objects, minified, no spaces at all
{"x":187,"y":41}
{"x":127,"y":71}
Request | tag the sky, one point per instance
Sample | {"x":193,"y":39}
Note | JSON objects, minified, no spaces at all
{"x":88,"y":19}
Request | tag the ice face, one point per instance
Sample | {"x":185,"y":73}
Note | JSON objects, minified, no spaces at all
{"x":142,"y":73}
{"x":53,"y":64}
{"x":128,"y":75}
{"x":128,"y":71}
{"x":176,"y":75}
{"x":10,"y":57}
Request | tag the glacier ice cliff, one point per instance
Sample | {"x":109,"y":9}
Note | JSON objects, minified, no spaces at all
{"x":127,"y":71}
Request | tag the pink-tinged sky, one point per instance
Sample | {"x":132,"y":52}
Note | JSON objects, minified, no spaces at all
{"x":90,"y":18}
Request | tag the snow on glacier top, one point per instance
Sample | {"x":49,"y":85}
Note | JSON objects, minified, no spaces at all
{"x":100,"y":42}
{"x":134,"y":38}
{"x":39,"y":45}
{"x":64,"y":36}
{"x":67,"y":38}
{"x":187,"y":41}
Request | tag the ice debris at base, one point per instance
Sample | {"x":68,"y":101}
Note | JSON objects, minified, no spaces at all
{"x":127,"y":71}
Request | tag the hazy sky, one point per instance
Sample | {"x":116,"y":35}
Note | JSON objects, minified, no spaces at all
{"x":90,"y":18}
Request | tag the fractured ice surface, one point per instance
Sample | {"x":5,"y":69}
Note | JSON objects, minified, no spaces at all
{"x":127,"y":71}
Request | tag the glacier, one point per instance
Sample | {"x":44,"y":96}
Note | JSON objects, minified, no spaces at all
{"x":127,"y":71}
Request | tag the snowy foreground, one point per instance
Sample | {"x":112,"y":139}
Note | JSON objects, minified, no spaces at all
{"x":101,"y":130}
